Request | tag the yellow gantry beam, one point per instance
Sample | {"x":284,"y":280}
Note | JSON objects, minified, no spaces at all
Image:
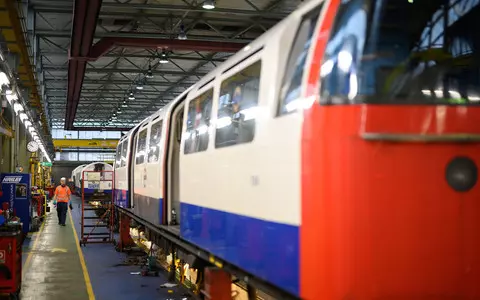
{"x":71,"y":143}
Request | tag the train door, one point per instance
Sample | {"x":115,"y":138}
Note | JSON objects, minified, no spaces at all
{"x":154,"y":176}
{"x":173,"y":163}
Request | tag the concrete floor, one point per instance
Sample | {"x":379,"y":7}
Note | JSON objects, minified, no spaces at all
{"x":53,"y":268}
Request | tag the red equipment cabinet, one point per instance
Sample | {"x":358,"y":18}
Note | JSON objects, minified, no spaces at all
{"x":10,"y":260}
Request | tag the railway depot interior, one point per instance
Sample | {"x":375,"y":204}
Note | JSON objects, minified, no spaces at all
{"x":239,"y":149}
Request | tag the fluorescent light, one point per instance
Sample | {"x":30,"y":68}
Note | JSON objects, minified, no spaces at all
{"x":23,"y":116}
{"x":17,"y":107}
{"x":209,"y":4}
{"x":3,"y":79}
{"x":11,"y":97}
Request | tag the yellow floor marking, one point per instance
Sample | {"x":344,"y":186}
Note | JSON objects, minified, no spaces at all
{"x":88,"y":283}
{"x":32,"y":250}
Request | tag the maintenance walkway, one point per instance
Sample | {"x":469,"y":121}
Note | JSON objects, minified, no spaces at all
{"x":56,"y":268}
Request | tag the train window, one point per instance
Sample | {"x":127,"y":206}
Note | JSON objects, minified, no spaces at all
{"x":375,"y":56}
{"x":123,"y":162}
{"x":198,"y":123}
{"x":118,"y":155}
{"x":292,"y":80}
{"x":237,"y":107}
{"x":154,"y":145}
{"x":141,"y":147}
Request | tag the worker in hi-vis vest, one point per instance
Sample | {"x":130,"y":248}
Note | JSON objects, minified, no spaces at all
{"x":61,"y":200}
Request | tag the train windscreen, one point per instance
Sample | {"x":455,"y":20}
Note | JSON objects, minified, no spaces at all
{"x":403,"y":52}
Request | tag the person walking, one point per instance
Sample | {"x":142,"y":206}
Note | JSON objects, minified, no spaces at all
{"x":62,"y":198}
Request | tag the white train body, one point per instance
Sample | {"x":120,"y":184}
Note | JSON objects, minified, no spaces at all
{"x":76,"y":176}
{"x":293,"y":159}
{"x":102,"y":181}
{"x":233,"y":190}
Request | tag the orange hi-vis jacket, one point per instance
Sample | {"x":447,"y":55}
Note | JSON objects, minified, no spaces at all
{"x":62,"y":193}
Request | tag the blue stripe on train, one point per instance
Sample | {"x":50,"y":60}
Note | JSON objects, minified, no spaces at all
{"x":266,"y":249}
{"x":91,"y":191}
{"x":122,"y":198}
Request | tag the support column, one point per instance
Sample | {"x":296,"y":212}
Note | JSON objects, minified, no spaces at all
{"x":218,"y":284}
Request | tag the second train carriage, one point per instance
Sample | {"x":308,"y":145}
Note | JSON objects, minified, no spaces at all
{"x":105,"y":183}
{"x":76,"y":177}
{"x":335,"y":156}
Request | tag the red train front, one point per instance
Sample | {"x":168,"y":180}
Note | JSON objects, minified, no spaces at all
{"x":390,"y":152}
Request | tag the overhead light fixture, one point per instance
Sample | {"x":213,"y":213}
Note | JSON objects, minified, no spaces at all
{"x":163,"y":57}
{"x":31,"y":129}
{"x":11,"y":97}
{"x":8,"y":91}
{"x":3,"y":79}
{"x":182,"y":35}
{"x":27,"y":123}
{"x":23,"y":117}
{"x":131,"y":96}
{"x":209,"y":4}
{"x":139,"y":86}
{"x":149,"y":74}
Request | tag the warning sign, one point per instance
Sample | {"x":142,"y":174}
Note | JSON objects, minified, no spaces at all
{"x":2,"y":256}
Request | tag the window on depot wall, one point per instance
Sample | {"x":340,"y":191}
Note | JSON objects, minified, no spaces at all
{"x":237,"y":107}
{"x":198,"y":123}
{"x":292,"y":80}
{"x":374,"y":56}
{"x":154,"y":145}
{"x":141,"y":147}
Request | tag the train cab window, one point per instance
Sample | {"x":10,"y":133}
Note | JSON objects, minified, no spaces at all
{"x":292,"y":80}
{"x":198,"y":123}
{"x":403,"y":52}
{"x":154,"y":145}
{"x":141,"y":147}
{"x":123,"y":161}
{"x":237,"y":107}
{"x":118,"y":155}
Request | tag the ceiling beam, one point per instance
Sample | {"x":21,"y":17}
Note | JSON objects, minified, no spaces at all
{"x":148,"y":56}
{"x":127,"y":71}
{"x":164,"y":7}
{"x":140,"y":35}
{"x":105,"y":44}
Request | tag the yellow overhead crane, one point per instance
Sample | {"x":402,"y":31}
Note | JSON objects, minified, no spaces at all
{"x":74,"y":143}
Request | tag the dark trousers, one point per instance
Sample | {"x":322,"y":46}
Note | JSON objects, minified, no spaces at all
{"x":62,"y":208}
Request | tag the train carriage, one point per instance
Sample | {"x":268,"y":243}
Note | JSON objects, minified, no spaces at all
{"x":76,"y":177}
{"x":334,"y":157}
{"x":105,"y":184}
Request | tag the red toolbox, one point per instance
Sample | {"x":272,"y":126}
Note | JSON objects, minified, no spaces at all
{"x":11,"y":239}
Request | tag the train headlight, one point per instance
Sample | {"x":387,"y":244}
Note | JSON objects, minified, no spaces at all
{"x":461,"y":174}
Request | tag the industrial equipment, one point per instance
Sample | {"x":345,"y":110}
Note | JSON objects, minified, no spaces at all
{"x":11,"y":240}
{"x":16,"y":189}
